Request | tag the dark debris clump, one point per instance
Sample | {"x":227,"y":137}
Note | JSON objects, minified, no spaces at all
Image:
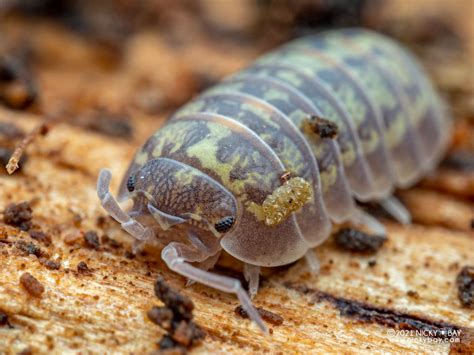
{"x":18,"y":215}
{"x":465,"y":283}
{"x":355,"y":240}
{"x":323,"y":127}
{"x":41,"y":237}
{"x":176,"y":317}
{"x":91,"y":240}
{"x":83,"y":268}
{"x":4,"y":320}
{"x":29,"y":248}
{"x":31,"y":285}
{"x":266,"y":315}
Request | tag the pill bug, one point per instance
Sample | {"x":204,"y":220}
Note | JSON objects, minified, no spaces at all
{"x":262,"y":164}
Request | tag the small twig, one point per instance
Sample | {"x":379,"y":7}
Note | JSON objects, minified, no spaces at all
{"x":40,"y":130}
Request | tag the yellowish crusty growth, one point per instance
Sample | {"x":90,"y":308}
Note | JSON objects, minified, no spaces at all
{"x":288,"y":198}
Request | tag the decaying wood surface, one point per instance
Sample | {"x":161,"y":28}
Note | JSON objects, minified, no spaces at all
{"x":352,"y":306}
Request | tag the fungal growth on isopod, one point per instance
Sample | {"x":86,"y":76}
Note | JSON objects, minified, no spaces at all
{"x":261,"y":165}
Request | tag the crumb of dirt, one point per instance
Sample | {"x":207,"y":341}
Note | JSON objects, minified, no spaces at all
{"x":50,"y":264}
{"x":266,"y":315}
{"x":73,"y":237}
{"x":41,"y":236}
{"x":167,"y":345}
{"x":129,"y":255}
{"x":465,"y":284}
{"x":105,"y":239}
{"x":92,"y":240}
{"x":4,"y":320}
{"x":355,"y":240}
{"x":161,"y":316}
{"x":372,"y":263}
{"x":82,"y":268}
{"x":18,"y":215}
{"x":29,"y":248}
{"x":323,"y":127}
{"x":176,"y":318}
{"x":181,"y":305}
{"x":31,"y":285}
{"x":187,"y":333}
{"x":413,"y":294}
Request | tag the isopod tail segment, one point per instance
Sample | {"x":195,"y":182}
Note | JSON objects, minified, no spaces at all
{"x":177,"y":256}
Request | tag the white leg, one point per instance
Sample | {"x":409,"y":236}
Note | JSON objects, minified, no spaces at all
{"x":109,"y":203}
{"x":252,"y":275}
{"x":396,"y":209}
{"x":312,"y":261}
{"x":178,"y":264}
{"x":365,"y":219}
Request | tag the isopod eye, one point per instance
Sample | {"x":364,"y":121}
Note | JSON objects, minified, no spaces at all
{"x":131,"y":183}
{"x":224,"y":224}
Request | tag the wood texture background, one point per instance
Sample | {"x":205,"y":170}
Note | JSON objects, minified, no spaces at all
{"x":105,"y":311}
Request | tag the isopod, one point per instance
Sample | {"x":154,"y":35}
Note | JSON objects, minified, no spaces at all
{"x":246,"y":168}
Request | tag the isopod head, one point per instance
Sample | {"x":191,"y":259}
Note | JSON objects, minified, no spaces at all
{"x":175,"y":193}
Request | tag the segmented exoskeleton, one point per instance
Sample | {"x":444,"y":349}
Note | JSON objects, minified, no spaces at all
{"x":245,"y":168}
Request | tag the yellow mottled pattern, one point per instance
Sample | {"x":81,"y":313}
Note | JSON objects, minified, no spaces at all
{"x":273,"y":94}
{"x":392,"y":61}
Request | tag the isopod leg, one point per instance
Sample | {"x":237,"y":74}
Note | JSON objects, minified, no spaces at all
{"x":396,"y":209}
{"x":312,"y":261}
{"x":133,"y":227}
{"x":165,"y":220}
{"x":362,"y":218}
{"x":179,"y":264}
{"x":252,"y":275}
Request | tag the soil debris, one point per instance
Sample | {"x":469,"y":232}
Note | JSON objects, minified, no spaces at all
{"x":323,"y":127}
{"x":358,"y":241}
{"x":31,"y":285}
{"x":41,"y":237}
{"x":176,"y":318}
{"x":50,"y":264}
{"x":91,"y":240}
{"x":18,"y":215}
{"x":465,"y":284}
{"x":4,"y":320}
{"x":266,"y":315}
{"x":82,"y":268}
{"x":29,"y":248}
